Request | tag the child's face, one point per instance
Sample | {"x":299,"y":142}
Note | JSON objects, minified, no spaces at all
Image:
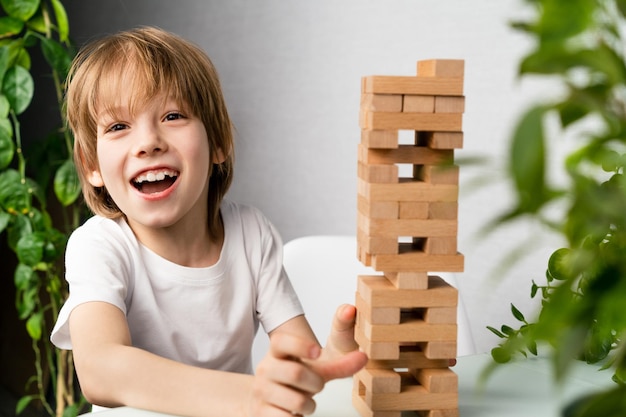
{"x":154,"y":163}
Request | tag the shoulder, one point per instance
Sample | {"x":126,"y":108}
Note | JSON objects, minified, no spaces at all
{"x":247,"y":216}
{"x":102,"y":235}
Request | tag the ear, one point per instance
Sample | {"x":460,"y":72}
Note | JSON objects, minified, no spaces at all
{"x":219,"y":157}
{"x":95,"y":179}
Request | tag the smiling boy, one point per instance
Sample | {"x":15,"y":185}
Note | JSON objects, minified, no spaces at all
{"x":168,"y":281}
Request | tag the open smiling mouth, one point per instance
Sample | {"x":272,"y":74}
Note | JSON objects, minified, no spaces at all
{"x":152,"y":182}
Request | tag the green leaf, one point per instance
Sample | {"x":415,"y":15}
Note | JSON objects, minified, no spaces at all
{"x":562,"y":19}
{"x":38,"y":24}
{"x":527,"y":160}
{"x":607,"y":403}
{"x":7,"y":148}
{"x":496,"y":332}
{"x":507,"y":330}
{"x":18,"y":87}
{"x":24,"y":277}
{"x":14,"y":197}
{"x":500,"y":355}
{"x":621,"y":6}
{"x":30,"y":248}
{"x":517,"y":314}
{"x":34,"y":326}
{"x":5,"y":59}
{"x":5,"y":107}
{"x":10,"y":26}
{"x":56,"y":55}
{"x":22,"y":58}
{"x":558,"y":264}
{"x":66,"y":183}
{"x":63,"y":25}
{"x":533,"y":290}
{"x":23,"y":403}
{"x":71,"y":410}
{"x":20,"y":9}
{"x":4,"y":220}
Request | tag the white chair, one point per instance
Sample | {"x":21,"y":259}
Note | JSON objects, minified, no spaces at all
{"x":323,"y":271}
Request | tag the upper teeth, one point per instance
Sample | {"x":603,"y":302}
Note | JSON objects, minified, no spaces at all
{"x":152,"y":176}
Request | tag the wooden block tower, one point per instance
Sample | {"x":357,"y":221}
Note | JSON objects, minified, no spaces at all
{"x":407,"y":227}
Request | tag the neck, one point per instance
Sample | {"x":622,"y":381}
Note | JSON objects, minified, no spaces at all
{"x":185,"y":243}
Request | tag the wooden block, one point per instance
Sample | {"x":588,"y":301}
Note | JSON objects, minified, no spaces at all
{"x":438,"y":413}
{"x":406,"y":154}
{"x":449,"y":104}
{"x":382,"y":102}
{"x":436,"y":380}
{"x":378,"y":173}
{"x":413,"y":210}
{"x":410,"y":331}
{"x":377,"y":315}
{"x":410,"y":357}
{"x":408,"y":280}
{"x":364,"y":257}
{"x":440,"y":245}
{"x":358,"y":401}
{"x":443,"y":210}
{"x":418,"y":104}
{"x":380,"y":380}
{"x":440,"y":315}
{"x":441,"y":68}
{"x":409,"y":261}
{"x":438,"y":349}
{"x":381,"y":209}
{"x":407,"y":227}
{"x":377,"y":245}
{"x":376,"y":350}
{"x":412,"y":397}
{"x":392,"y":84}
{"x":437,"y":174}
{"x":387,"y":139}
{"x":440,"y":122}
{"x":408,"y":190}
{"x":440,"y":140}
{"x":377,"y":291}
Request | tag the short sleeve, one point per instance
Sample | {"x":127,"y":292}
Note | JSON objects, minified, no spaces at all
{"x":97,"y":268}
{"x":277,"y":300}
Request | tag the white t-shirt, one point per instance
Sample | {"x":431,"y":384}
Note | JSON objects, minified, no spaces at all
{"x":206,"y":317}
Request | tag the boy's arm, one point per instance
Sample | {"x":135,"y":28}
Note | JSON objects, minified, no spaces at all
{"x":296,"y":368}
{"x":113,"y":373}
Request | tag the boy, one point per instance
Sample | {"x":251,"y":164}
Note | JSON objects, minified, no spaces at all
{"x":168,"y":281}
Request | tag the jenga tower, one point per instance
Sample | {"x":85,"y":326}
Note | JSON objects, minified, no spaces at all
{"x":407,"y":227}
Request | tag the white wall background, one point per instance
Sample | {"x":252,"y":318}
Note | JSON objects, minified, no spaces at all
{"x":291,"y":73}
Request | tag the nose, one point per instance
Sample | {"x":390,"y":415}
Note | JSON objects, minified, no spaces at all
{"x":149,"y":141}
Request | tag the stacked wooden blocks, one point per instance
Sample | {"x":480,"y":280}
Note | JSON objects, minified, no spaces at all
{"x":407,"y":227}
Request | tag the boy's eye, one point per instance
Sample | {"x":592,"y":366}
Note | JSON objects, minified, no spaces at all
{"x":173,"y":116}
{"x":116,"y":127}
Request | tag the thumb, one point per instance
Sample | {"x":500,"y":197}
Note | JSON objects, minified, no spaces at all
{"x":341,"y":336}
{"x":341,"y":367}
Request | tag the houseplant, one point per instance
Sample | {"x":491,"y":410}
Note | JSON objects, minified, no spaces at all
{"x":581,"y":45}
{"x":35,"y":230}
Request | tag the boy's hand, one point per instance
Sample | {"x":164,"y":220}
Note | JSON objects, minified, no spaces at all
{"x":294,"y":370}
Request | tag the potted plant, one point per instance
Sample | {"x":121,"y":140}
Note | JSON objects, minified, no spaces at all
{"x":582,"y":45}
{"x":30,"y":176}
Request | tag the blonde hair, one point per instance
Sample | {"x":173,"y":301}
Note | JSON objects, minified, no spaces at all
{"x":149,"y":62}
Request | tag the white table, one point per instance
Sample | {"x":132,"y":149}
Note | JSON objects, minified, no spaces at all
{"x":522,"y":389}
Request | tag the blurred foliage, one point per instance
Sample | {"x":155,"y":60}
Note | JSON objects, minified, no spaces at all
{"x":37,"y":27}
{"x":580,"y":44}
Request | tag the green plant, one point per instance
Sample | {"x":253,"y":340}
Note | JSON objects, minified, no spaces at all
{"x":26,"y":27}
{"x":581,"y":44}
